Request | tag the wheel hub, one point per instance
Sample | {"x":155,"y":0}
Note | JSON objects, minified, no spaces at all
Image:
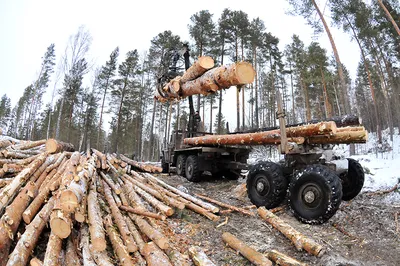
{"x":311,"y":195}
{"x":260,"y":187}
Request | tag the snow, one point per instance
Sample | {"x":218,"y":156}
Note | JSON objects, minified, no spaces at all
{"x":381,"y":163}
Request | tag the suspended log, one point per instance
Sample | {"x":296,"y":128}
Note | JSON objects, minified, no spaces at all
{"x":214,"y":79}
{"x":53,"y":250}
{"x":84,"y":245}
{"x":154,"y":255}
{"x":10,"y":220}
{"x":343,"y":137}
{"x":11,"y":189}
{"x":294,"y":134}
{"x":71,"y":255}
{"x":199,"y":258}
{"x":142,"y":166}
{"x":234,"y":208}
{"x":299,"y":240}
{"x":29,"y":238}
{"x":96,"y":228}
{"x":283,"y":259}
{"x":142,"y":213}
{"x":119,"y":248}
{"x":199,"y":67}
{"x":249,"y":253}
{"x":119,"y":220}
{"x":54,"y":146}
{"x":197,"y":201}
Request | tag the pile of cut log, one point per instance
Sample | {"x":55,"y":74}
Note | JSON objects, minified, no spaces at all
{"x":325,"y":132}
{"x":60,"y":207}
{"x":202,"y":78}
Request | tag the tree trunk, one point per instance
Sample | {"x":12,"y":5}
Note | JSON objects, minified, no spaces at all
{"x":29,"y":238}
{"x":220,"y":93}
{"x":389,"y":16}
{"x":154,"y":255}
{"x":101,"y":115}
{"x":299,"y":240}
{"x":328,"y":106}
{"x":249,"y":253}
{"x":343,"y":85}
{"x":151,"y":142}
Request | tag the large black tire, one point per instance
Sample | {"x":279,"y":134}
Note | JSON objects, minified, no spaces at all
{"x":315,"y":194}
{"x":352,"y":180}
{"x":181,"y":164}
{"x":266,"y":184}
{"x":192,"y":169}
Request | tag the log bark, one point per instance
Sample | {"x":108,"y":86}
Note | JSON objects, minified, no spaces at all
{"x":71,"y":255}
{"x":11,"y":219}
{"x":150,"y":232}
{"x":29,"y":238}
{"x":343,"y":137}
{"x":197,"y":201}
{"x":223,"y":77}
{"x":267,"y":137}
{"x":283,"y":259}
{"x":234,"y":208}
{"x":10,"y":168}
{"x":249,"y":253}
{"x":5,"y":181}
{"x":142,"y":213}
{"x":142,"y":166}
{"x":154,"y":192}
{"x":54,"y":146}
{"x":135,"y":233}
{"x":56,"y":164}
{"x":199,"y":258}
{"x":19,"y":161}
{"x":102,"y":157}
{"x":35,"y":262}
{"x":96,"y":228}
{"x":71,"y":197}
{"x":53,"y":250}
{"x":299,"y":240}
{"x":5,"y":143}
{"x":120,"y":249}
{"x":27,"y":145}
{"x":84,"y":245}
{"x":110,"y":183}
{"x":100,"y":257}
{"x":81,"y":212}
{"x":199,"y":67}
{"x":178,"y":259}
{"x":11,"y":189}
{"x":60,"y":221}
{"x":154,"y":255}
{"x":119,"y":220}
{"x":49,"y":160}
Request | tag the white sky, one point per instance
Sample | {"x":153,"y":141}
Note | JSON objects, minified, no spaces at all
{"x":27,"y":28}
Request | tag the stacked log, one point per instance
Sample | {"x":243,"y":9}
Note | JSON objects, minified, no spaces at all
{"x":318,"y":133}
{"x":201,"y":79}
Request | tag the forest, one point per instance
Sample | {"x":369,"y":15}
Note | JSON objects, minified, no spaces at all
{"x":314,"y":83}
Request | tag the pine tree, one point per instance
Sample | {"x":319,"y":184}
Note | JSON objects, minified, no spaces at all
{"x":5,"y":112}
{"x":106,"y":83}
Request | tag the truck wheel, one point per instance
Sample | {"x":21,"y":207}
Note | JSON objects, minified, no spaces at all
{"x":315,"y":194}
{"x":180,"y":164}
{"x":352,"y":180}
{"x":266,"y":185}
{"x":192,"y":169}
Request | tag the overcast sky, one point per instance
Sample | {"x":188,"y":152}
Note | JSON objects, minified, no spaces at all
{"x":27,"y":28}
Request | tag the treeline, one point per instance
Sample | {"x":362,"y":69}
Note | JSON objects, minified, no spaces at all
{"x":314,"y":84}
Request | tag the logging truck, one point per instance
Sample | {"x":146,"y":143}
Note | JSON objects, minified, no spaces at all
{"x":312,"y":179}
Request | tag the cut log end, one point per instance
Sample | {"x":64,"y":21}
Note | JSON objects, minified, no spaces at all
{"x":245,"y":73}
{"x":68,"y":201}
{"x":51,"y":145}
{"x":206,"y":62}
{"x":61,"y":227}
